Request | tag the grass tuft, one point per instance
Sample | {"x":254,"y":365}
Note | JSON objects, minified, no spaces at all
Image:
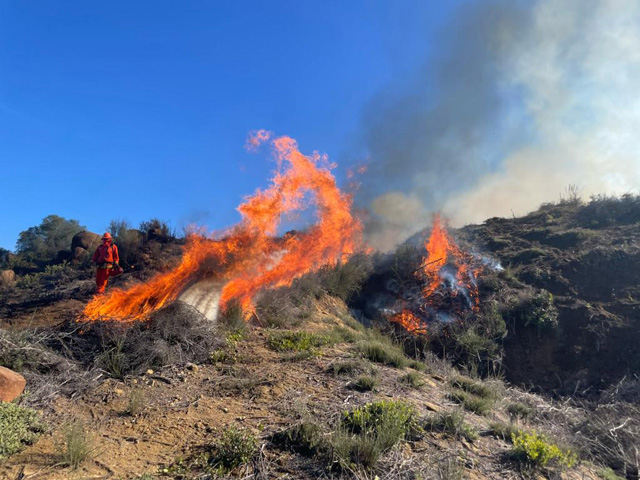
{"x":451,"y":423}
{"x":385,"y":353}
{"x":365,"y":383}
{"x":304,"y":437}
{"x":136,"y":402}
{"x":235,"y":448}
{"x":288,"y":341}
{"x":505,"y":431}
{"x":368,"y":431}
{"x":478,"y":389}
{"x":520,"y":411}
{"x":473,"y":403}
{"x":413,"y":379}
{"x":76,"y":446}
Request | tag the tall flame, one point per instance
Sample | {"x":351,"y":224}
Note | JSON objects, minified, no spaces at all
{"x":440,"y":249}
{"x":249,"y":255}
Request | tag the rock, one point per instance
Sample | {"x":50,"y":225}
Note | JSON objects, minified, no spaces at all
{"x":11,"y":385}
{"x":430,"y":382}
{"x":7,"y":278}
{"x":84,"y":242}
{"x":78,"y":253}
{"x":192,"y":366}
{"x":64,"y":256}
{"x":432,"y":406}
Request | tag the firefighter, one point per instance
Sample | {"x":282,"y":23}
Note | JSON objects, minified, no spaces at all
{"x":106,"y":258}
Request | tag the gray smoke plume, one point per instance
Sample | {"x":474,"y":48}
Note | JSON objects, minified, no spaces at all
{"x":523,"y":100}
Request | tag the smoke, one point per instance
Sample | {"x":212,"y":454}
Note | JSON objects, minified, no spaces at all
{"x":523,"y":100}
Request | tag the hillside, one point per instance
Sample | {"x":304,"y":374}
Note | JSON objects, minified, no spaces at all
{"x":588,"y":258}
{"x":319,"y":385}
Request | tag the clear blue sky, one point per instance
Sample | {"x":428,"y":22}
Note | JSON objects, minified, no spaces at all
{"x":140,"y":109}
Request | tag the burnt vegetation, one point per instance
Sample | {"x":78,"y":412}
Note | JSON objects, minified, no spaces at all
{"x":560,"y":317}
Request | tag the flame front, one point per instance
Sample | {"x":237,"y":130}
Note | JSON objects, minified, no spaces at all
{"x":440,"y":249}
{"x":249,"y":255}
{"x":442,"y":255}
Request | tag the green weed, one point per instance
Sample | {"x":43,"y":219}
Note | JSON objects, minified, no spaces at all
{"x":19,"y":426}
{"x":536,"y":450}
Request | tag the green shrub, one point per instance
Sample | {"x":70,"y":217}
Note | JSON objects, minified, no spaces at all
{"x":609,"y":474}
{"x":348,"y":451}
{"x":343,"y":280}
{"x":76,"y":446}
{"x":398,"y":417}
{"x":39,"y":245}
{"x":473,"y":387}
{"x":128,"y":240}
{"x":519,"y":410}
{"x":19,"y":426}
{"x":418,"y":365}
{"x":505,"y":431}
{"x":473,"y":403}
{"x":603,"y":211}
{"x":450,"y":468}
{"x":351,"y":322}
{"x":236,"y":447}
{"x":300,"y":356}
{"x":304,"y":437}
{"x":537,"y":451}
{"x":536,"y":310}
{"x":348,"y":367}
{"x":346,"y":334}
{"x":385,"y":353}
{"x":413,"y":379}
{"x":451,"y":423}
{"x":365,"y":383}
{"x":156,"y":229}
{"x":368,"y":431}
{"x":219,"y":356}
{"x":288,"y":341}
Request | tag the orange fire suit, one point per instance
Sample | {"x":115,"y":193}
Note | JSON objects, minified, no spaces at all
{"x":106,"y":257}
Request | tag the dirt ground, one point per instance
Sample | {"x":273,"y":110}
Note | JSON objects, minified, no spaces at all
{"x":185,"y":409}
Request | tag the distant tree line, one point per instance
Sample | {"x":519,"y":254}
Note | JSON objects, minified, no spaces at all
{"x":49,"y":243}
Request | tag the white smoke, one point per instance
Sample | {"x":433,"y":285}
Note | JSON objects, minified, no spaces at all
{"x":549,"y":97}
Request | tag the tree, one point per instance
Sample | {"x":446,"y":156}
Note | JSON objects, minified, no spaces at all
{"x":4,"y":258}
{"x":40,"y":244}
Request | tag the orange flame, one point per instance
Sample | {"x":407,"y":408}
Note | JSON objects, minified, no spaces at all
{"x":410,"y":322}
{"x":440,"y":248}
{"x":250,"y":256}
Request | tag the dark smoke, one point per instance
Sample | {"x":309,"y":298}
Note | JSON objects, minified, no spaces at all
{"x":501,"y":119}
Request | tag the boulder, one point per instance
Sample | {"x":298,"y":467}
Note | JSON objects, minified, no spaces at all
{"x":63,"y":256}
{"x":84,"y":241}
{"x":11,"y":385}
{"x":7,"y":278}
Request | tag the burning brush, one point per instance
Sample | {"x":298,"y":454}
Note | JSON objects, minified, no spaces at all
{"x":249,"y":256}
{"x":449,"y":284}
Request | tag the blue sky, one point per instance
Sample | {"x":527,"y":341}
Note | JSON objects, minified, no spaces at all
{"x":140,"y":109}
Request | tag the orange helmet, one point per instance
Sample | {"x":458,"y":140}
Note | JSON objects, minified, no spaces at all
{"x":106,"y":236}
